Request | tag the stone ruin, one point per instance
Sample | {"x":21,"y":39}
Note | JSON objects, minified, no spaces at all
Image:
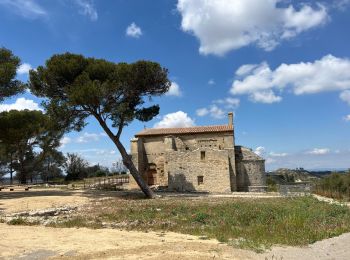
{"x":202,"y":159}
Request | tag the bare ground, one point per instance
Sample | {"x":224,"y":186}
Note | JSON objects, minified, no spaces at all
{"x":37,"y":242}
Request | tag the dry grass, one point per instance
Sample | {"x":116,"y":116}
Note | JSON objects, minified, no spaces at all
{"x":248,"y":223}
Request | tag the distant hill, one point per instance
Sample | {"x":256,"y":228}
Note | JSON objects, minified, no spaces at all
{"x":284,"y":175}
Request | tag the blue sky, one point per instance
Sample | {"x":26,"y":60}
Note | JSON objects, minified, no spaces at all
{"x":282,"y":66}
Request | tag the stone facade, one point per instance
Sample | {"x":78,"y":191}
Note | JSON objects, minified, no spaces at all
{"x":197,"y":159}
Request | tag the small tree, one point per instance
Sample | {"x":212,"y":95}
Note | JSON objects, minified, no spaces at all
{"x":76,"y":87}
{"x":51,"y":164}
{"x":76,"y":167}
{"x":25,"y":139}
{"x":8,"y":69}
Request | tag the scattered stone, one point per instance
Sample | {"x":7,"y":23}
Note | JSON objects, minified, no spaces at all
{"x":44,"y":216}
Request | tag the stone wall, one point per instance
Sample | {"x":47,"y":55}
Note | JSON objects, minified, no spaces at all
{"x":176,"y":161}
{"x":250,"y":170}
{"x":204,"y":169}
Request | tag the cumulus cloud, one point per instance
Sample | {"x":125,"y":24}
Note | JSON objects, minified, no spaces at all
{"x":174,"y":90}
{"x":347,"y":118}
{"x":20,"y":104}
{"x":24,"y":68}
{"x":25,"y":8}
{"x":88,"y":137}
{"x":225,"y":25}
{"x":213,"y":110}
{"x":133,"y":31}
{"x":219,"y":108}
{"x":260,"y":150}
{"x":267,"y":97}
{"x":177,"y":119}
{"x":228,"y":102}
{"x":345,"y":96}
{"x":87,"y":8}
{"x":261,"y":83}
{"x":245,"y":69}
{"x":202,"y":111}
{"x":319,"y":151}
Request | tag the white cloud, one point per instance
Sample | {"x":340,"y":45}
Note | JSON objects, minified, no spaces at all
{"x":278,"y":154}
{"x":245,"y":69}
{"x":64,"y":141}
{"x":20,"y":104}
{"x":260,"y":150}
{"x":24,"y":68}
{"x":228,"y":102}
{"x":89,"y":137}
{"x":174,"y":90}
{"x":219,"y":108}
{"x":211,"y":82}
{"x":340,"y":4}
{"x":270,"y":160}
{"x":214,"y":111}
{"x":345,"y":96}
{"x":224,"y":25}
{"x":261,"y":83}
{"x":202,"y":111}
{"x":133,"y":31}
{"x":319,"y":151}
{"x":347,"y":118}
{"x":177,"y":119}
{"x":87,"y":8}
{"x":267,"y":97}
{"x":25,"y":8}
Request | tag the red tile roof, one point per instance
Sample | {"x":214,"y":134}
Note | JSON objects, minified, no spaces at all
{"x":186,"y":130}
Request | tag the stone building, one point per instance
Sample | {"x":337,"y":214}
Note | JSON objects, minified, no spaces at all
{"x":202,"y":158}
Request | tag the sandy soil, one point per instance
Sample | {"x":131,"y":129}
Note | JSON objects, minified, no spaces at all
{"x":41,"y":243}
{"x":37,"y":242}
{"x":20,"y":200}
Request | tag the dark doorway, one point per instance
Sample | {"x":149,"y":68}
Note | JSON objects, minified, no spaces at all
{"x":151,"y":177}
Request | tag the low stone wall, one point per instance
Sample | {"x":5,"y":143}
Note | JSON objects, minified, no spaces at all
{"x":257,"y":188}
{"x":295,"y":188}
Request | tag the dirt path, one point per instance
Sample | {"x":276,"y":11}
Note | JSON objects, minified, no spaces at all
{"x":35,"y":242}
{"x":20,"y":200}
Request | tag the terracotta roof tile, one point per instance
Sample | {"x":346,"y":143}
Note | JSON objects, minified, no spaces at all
{"x":186,"y":130}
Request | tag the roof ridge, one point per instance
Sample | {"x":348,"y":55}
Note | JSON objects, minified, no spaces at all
{"x":187,"y":127}
{"x":186,"y":130}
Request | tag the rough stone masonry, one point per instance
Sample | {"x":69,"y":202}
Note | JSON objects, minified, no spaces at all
{"x":202,"y":158}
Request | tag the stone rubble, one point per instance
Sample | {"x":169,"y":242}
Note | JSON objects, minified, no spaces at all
{"x":43,"y":216}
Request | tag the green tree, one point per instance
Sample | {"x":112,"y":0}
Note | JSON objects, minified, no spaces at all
{"x":51,"y":164}
{"x":76,"y":87}
{"x":9,"y":64}
{"x":76,"y":167}
{"x":26,"y":137}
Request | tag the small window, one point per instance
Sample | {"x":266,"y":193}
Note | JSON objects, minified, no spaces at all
{"x":200,"y":180}
{"x":202,"y":155}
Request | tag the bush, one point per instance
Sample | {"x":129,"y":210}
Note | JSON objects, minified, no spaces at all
{"x":335,"y":186}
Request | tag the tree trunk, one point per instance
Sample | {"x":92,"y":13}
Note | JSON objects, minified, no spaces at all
{"x":11,"y":172}
{"x":133,"y":171}
{"x":127,"y":160}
